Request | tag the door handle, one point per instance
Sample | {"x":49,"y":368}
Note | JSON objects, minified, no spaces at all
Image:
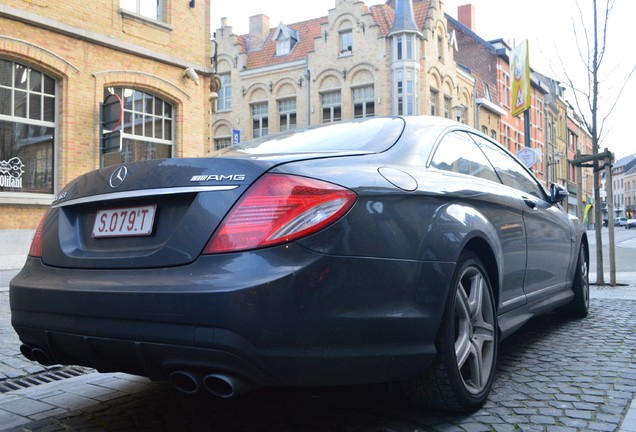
{"x":530,"y":203}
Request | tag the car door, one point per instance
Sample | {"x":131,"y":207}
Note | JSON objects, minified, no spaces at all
{"x":548,"y":232}
{"x":457,"y":153}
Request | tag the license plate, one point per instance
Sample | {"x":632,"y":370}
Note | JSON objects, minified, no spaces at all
{"x":124,"y":222}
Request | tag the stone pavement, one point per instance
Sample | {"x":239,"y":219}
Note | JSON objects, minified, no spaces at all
{"x":553,"y":375}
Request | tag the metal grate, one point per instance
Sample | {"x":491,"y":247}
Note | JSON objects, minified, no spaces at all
{"x":54,"y":374}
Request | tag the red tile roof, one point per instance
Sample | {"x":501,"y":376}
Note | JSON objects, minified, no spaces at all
{"x":307,"y":31}
{"x":382,"y":15}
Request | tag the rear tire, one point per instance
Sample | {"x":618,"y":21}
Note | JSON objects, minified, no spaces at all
{"x":462,"y":373}
{"x":579,"y":307}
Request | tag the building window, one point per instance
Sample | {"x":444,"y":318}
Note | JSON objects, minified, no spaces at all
{"x":222,"y":142}
{"x":146,"y":130}
{"x":27,"y":129}
{"x":404,"y":47}
{"x":440,"y":49}
{"x":363,"y":102}
{"x":493,"y":134}
{"x":287,"y":114}
{"x":224,"y":101}
{"x":433,"y":102}
{"x":487,"y":94}
{"x":405,"y":92}
{"x":505,"y":94}
{"x":447,"y":106}
{"x":346,"y":42}
{"x":331,"y":107}
{"x":260,"y":120}
{"x":151,"y":9}
{"x":484,"y":130}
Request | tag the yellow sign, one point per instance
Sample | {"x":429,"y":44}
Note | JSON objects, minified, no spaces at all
{"x":521,"y":78}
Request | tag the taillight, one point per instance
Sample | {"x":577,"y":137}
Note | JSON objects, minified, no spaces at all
{"x":36,"y":243}
{"x":277,"y":209}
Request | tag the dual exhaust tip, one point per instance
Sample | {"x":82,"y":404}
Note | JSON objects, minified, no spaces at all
{"x":220,"y":385}
{"x":36,"y":355}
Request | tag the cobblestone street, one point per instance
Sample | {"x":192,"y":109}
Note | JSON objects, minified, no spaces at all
{"x":554,"y":375}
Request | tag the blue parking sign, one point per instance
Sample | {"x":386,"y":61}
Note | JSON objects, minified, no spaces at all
{"x":236,"y":136}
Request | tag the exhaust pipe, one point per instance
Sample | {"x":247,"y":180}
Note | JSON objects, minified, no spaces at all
{"x":185,"y":381}
{"x":41,"y":356}
{"x":225,"y":386}
{"x":27,"y":351}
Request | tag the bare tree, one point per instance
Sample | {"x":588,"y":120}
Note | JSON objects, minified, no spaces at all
{"x":592,"y":45}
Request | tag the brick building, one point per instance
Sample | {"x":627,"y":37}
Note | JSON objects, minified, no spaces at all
{"x":489,"y":63}
{"x":58,"y":63}
{"x":356,"y":62}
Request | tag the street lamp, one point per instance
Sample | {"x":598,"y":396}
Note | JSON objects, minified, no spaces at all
{"x":459,"y":111}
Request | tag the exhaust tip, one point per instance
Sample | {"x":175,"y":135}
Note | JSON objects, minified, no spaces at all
{"x":41,"y":356}
{"x":224,"y":386}
{"x":184,"y":381}
{"x":27,"y":351}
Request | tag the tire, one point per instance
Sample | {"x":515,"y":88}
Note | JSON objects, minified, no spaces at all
{"x":579,"y":307}
{"x":463,"y":370}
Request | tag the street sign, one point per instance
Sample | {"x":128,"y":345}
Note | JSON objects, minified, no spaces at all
{"x":236,"y":136}
{"x":527,"y":156}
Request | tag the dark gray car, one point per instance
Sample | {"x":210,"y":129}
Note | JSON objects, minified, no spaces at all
{"x":389,"y":249}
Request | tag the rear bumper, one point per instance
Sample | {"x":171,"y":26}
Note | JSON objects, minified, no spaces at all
{"x":278,"y":316}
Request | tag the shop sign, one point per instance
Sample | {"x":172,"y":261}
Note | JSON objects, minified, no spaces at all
{"x":11,"y":173}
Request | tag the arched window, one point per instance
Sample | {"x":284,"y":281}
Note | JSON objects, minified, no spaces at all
{"x":27,"y":129}
{"x":147,"y":127}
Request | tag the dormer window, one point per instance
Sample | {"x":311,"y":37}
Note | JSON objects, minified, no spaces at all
{"x":346,"y":42}
{"x":286,"y":39}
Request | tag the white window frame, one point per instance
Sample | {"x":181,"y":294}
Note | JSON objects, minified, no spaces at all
{"x":149,"y":9}
{"x":287,"y":114}
{"x":224,"y":100}
{"x":346,"y":42}
{"x":260,"y":119}
{"x":331,"y":102}
{"x":364,"y":97}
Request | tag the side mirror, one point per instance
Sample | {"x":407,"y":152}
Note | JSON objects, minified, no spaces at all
{"x":558,"y":193}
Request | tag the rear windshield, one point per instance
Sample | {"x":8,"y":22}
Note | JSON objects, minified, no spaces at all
{"x":366,"y":136}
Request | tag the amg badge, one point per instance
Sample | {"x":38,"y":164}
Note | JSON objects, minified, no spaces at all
{"x":217,"y":177}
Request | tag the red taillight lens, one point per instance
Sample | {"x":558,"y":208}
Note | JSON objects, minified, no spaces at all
{"x":36,"y":243}
{"x":277,"y":209}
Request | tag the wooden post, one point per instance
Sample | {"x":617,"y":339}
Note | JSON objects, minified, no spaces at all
{"x":609,"y":187}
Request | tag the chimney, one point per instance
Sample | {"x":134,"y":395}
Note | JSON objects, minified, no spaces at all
{"x":259,"y":29}
{"x":466,"y":16}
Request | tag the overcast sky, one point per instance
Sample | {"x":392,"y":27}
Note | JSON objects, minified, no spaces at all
{"x":547,"y":24}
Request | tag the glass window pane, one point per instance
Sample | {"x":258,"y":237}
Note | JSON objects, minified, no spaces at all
{"x":128,"y":122}
{"x":35,"y":81}
{"x":138,"y":120}
{"x":6,"y":72}
{"x":19,"y":109}
{"x":49,"y":85}
{"x":167,"y":130}
{"x":5,"y":101}
{"x":20,"y":78}
{"x":158,"y":107}
{"x":35,"y":106}
{"x":49,"y":109}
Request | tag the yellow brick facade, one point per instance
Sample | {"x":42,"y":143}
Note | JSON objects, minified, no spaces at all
{"x":324,"y":68}
{"x":90,"y":46}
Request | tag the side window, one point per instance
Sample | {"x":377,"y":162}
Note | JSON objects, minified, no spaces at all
{"x":458,"y":153}
{"x":511,"y":172}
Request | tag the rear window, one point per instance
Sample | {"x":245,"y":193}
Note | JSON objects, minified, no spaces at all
{"x":366,"y":136}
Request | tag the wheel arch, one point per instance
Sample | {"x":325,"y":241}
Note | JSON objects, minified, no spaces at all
{"x":482,"y":249}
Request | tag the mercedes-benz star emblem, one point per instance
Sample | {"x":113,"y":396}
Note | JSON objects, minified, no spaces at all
{"x":118,"y":176}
